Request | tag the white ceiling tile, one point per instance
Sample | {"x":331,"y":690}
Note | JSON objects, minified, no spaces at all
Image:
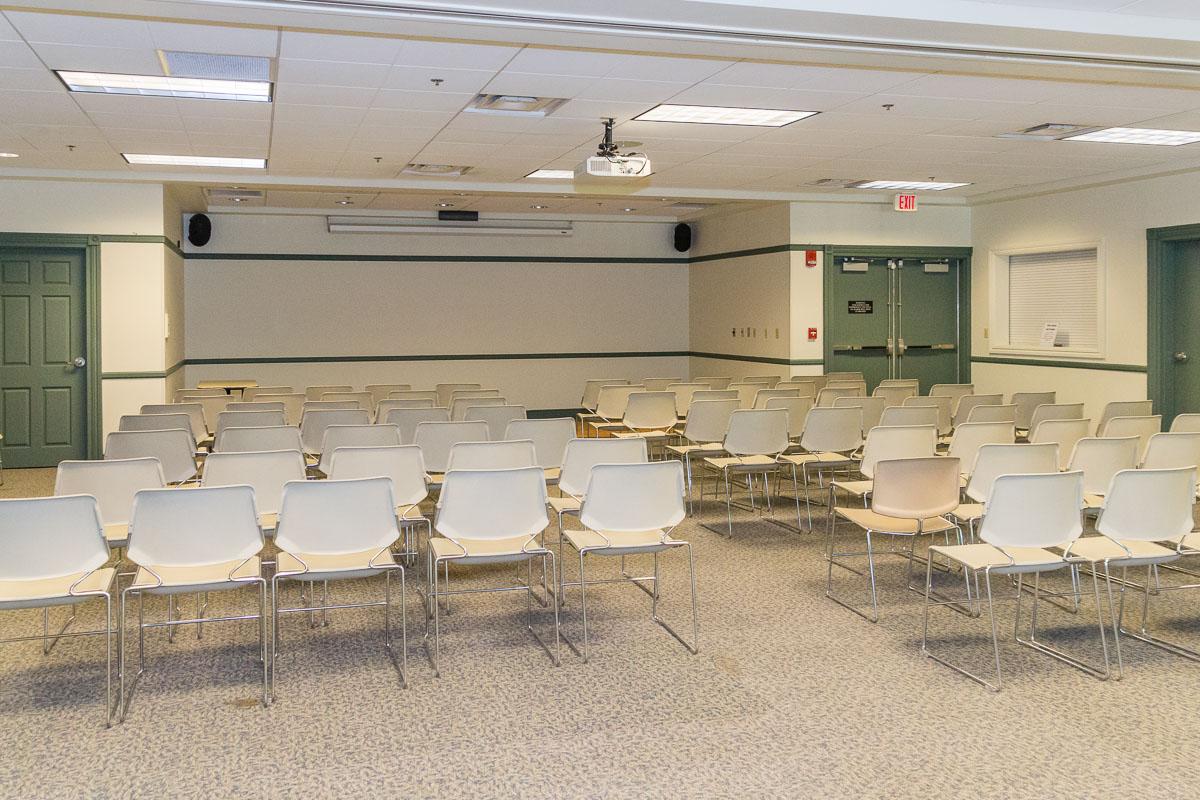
{"x":420,"y":79}
{"x":334,"y":47}
{"x":642,"y":131}
{"x":222,"y":109}
{"x":1129,"y":96}
{"x":292,"y":93}
{"x":142,"y":61}
{"x":342,"y":116}
{"x":29,"y":80}
{"x":150,"y":122}
{"x":477,"y":137}
{"x":331,"y":73}
{"x":127,"y":104}
{"x":970,"y":87}
{"x":525,"y":83}
{"x":18,"y":55}
{"x":927,"y":107}
{"x":422,"y":101}
{"x":544,"y":61}
{"x":660,"y":68}
{"x":81,"y":30}
{"x":1186,"y":121}
{"x":141,"y":140}
{"x":599,"y":110}
{"x":454,"y":55}
{"x":707,"y":94}
{"x":7,"y":32}
{"x":631,"y":91}
{"x":58,"y":134}
{"x":401,"y":118}
{"x":47,"y":108}
{"x":248,"y":127}
{"x":223,"y":39}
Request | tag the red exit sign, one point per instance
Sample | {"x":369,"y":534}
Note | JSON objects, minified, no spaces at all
{"x":905,"y":202}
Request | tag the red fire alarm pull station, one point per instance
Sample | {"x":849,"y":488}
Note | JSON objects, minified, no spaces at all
{"x":810,"y":258}
{"x":812,"y":334}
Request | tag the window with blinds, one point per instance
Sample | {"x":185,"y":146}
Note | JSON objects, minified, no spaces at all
{"x":1061,"y":287}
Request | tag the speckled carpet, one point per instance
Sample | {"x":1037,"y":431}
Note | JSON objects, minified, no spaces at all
{"x":791,"y":696}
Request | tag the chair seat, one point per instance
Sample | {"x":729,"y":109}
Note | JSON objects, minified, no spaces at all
{"x":748,"y":463}
{"x":200,"y":578}
{"x":684,"y":449}
{"x":880,"y":523}
{"x":552,"y":474}
{"x":485,"y":551}
{"x":1093,"y":500}
{"x":856,"y":488}
{"x":329,"y":566}
{"x":409,"y":514}
{"x":563,"y":505}
{"x":1010,"y":560}
{"x":1189,"y":542}
{"x":800,"y":459}
{"x":663,"y":434}
{"x":968,"y":512}
{"x":1102,"y":548}
{"x":268,"y":520}
{"x":56,"y":590}
{"x":117,"y":534}
{"x":617,"y":543}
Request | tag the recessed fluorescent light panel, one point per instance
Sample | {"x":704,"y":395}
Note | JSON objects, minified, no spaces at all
{"x":195,"y":161}
{"x":1138,"y":136}
{"x":166,"y":86}
{"x":717,"y":115}
{"x":552,"y":174}
{"x":514,"y":105}
{"x":910,"y":186}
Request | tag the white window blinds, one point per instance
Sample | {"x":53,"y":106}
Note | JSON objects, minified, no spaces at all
{"x":1059,"y":287}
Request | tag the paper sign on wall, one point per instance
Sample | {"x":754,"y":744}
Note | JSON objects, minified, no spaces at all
{"x":1053,"y":336}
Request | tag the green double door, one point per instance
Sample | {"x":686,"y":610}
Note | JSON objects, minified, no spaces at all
{"x":894,"y":318}
{"x":43,"y":384}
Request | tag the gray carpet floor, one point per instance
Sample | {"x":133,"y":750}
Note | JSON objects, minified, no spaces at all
{"x":791,"y":696}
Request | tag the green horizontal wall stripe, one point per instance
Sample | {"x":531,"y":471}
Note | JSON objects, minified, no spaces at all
{"x":117,"y":376}
{"x":787,"y":362}
{"x":1034,"y":362}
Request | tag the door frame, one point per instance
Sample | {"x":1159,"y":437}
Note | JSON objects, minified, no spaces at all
{"x":89,"y":247}
{"x":1161,"y":248}
{"x":833,"y":251}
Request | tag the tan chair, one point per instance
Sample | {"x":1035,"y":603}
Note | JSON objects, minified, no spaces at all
{"x":315,"y":392}
{"x":1027,"y":403}
{"x":293,"y":405}
{"x":1066,"y":433}
{"x":251,"y":393}
{"x":830,"y":436}
{"x":380,"y":391}
{"x":363,"y":400}
{"x":754,"y":441}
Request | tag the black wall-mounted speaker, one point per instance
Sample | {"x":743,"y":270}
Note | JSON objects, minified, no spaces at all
{"x":683,"y":237}
{"x":199,"y":230}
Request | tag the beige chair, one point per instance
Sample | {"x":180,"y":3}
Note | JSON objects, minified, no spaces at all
{"x":407,"y":420}
{"x":155,"y":422}
{"x":754,"y":441}
{"x":405,"y":467}
{"x":1099,"y":459}
{"x":249,"y":419}
{"x":650,"y":415}
{"x":910,"y":415}
{"x":580,"y":456}
{"x":797,"y":408}
{"x":714,"y":382}
{"x":293,"y":405}
{"x":591,"y":390}
{"x":747,"y":392}
{"x":312,"y":427}
{"x":174,"y":449}
{"x":249,"y":440}
{"x":387,"y":404}
{"x":1063,"y":432}
{"x":830,"y":394}
{"x":550,"y":437}
{"x":459,"y":405}
{"x":830,"y":436}
{"x":883,"y":444}
{"x":703,"y":433}
{"x":445,"y":391}
{"x":114,"y":484}
{"x":955,"y":391}
{"x":414,"y":394}
{"x":179,"y":394}
{"x":970,"y":436}
{"x":1122,"y":408}
{"x":1172,"y":450}
{"x":380,"y":391}
{"x":363,"y":400}
{"x":683,"y":396}
{"x":1027,"y":403}
{"x":1186,"y":423}
{"x":266,"y":472}
{"x":195,"y":413}
{"x":1141,"y":427}
{"x":805,"y":388}
{"x":763,"y":395}
{"x":872,"y":409}
{"x":894,"y":395}
{"x":257,"y":405}
{"x":945,"y":409}
{"x":315,"y":392}
{"x":436,"y":438}
{"x":1001,"y":413}
{"x":844,"y":376}
{"x":337,"y":436}
{"x":966,"y":403}
{"x":659,"y":384}
{"x":213,"y":405}
{"x":251,"y":393}
{"x":610,"y":408}
{"x":993,"y":460}
{"x":498,"y":417}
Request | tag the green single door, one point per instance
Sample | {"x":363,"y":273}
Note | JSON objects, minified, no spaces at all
{"x":928,"y":321}
{"x":1183,"y":294}
{"x":42,"y":389}
{"x":858,"y":318}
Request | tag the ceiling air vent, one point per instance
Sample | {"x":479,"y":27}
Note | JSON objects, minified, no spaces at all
{"x":514,"y":105}
{"x":835,"y":183}
{"x":214,"y":66}
{"x":223,"y":196}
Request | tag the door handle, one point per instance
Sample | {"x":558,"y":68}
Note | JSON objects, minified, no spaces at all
{"x":79,"y":362}
{"x":1181,"y":357}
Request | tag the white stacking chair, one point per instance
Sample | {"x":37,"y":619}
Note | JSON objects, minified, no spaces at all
{"x":314,"y":392}
{"x":883,"y":444}
{"x":213,"y":405}
{"x":714,"y":382}
{"x":328,"y":405}
{"x":194,"y":411}
{"x":247,"y":440}
{"x":746,"y":392}
{"x":355,"y":436}
{"x":445,"y":391}
{"x":339,"y":530}
{"x":1186,"y":423}
{"x":549,"y":436}
{"x":407,"y":420}
{"x":257,"y":405}
{"x":380,"y":391}
{"x":192,"y":542}
{"x":993,"y":460}
{"x":1047,"y":412}
{"x":894,"y":395}
{"x":1172,"y":450}
{"x":703,"y":432}
{"x":1099,"y":459}
{"x":436,"y":438}
{"x":485,"y":517}
{"x":497,"y":417}
{"x":915,"y":383}
{"x":114,"y":484}
{"x":469,"y":394}
{"x":827,"y":396}
{"x":1027,"y":403}
{"x":763,"y":395}
{"x":362,"y":400}
{"x":910,"y":415}
{"x":251,"y":393}
{"x":580,"y":456}
{"x":1141,"y":427}
{"x":510,"y":454}
{"x":179,"y":394}
{"x":769,"y":380}
{"x":683,"y":396}
{"x":715,"y":394}
{"x":944,"y":405}
{"x":629,"y":510}
{"x":844,"y":376}
{"x":1000,"y":413}
{"x":155,"y":422}
{"x":966,"y":403}
{"x":414,"y":394}
{"x":805,"y":388}
{"x":1122,"y":408}
{"x":54,"y":555}
{"x":266,"y":472}
{"x":797,"y":408}
{"x":1063,"y":432}
{"x":249,"y":419}
{"x":387,"y":404}
{"x":312,"y":427}
{"x":405,"y":467}
{"x":830,"y":436}
{"x":754,"y":441}
{"x":650,"y":415}
{"x":174,"y":449}
{"x":1026,"y":516}
{"x":970,"y":436}
{"x":659,"y":384}
{"x":293,"y":405}
{"x":459,"y":405}
{"x":610,"y":407}
{"x":909,"y":497}
{"x":872,"y":409}
{"x":591,"y":390}
{"x":955,"y":391}
{"x":858,"y":387}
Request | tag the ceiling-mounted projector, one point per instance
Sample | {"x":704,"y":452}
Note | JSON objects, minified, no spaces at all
{"x":610,"y":162}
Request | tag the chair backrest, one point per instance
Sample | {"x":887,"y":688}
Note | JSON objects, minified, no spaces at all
{"x":797,"y":408}
{"x":916,"y":488}
{"x":363,"y":435}
{"x":436,"y":438}
{"x":1186,"y":423}
{"x":583,"y":454}
{"x":915,"y":383}
{"x":247,"y":440}
{"x":1122,"y":408}
{"x":155,"y":422}
{"x":251,"y":393}
{"x":858,"y":387}
{"x":172,"y":528}
{"x":387,"y":404}
{"x":445,"y":390}
{"x":342,"y":516}
{"x":195,"y":413}
{"x":715,"y":394}
{"x":708,"y":420}
{"x":714,"y":382}
{"x":993,"y":460}
{"x":844,"y":376}
{"x":249,"y":419}
{"x":265,"y":471}
{"x":888,"y":444}
{"x":763,"y":395}
{"x":49,"y":537}
{"x":1149,"y":505}
{"x":1099,"y":458}
{"x":380,"y":391}
{"x":328,"y":405}
{"x":174,"y":449}
{"x":403,"y":465}
{"x":492,"y":504}
{"x":179,"y":394}
{"x":650,"y":411}
{"x":611,"y":403}
{"x":659,"y":384}
{"x":492,"y":455}
{"x":827,"y":396}
{"x":962,"y":412}
{"x":769,"y":380}
{"x":970,"y":436}
{"x":293,"y":405}
{"x":628,"y":498}
{"x":1063,"y":432}
{"x":757,"y":432}
{"x":951,"y":390}
{"x":1001,"y":413}
{"x":1049,"y":411}
{"x":459,"y":405}
{"x":1035,"y":510}
{"x":894,"y":395}
{"x":746,"y":392}
{"x":213,"y":404}
{"x":112,"y":483}
{"x":407,"y":420}
{"x":549,"y":437}
{"x":591,"y":390}
{"x":1141,"y":427}
{"x":497,"y":418}
{"x":1172,"y":450}
{"x":312,"y":427}
{"x":362,"y":400}
{"x":838,"y":430}
{"x":469,"y":393}
{"x":414,"y":394}
{"x":944,"y":404}
{"x":805,"y":387}
{"x":1027,"y":403}
{"x":257,"y":405}
{"x":909,"y":415}
{"x":315,"y":392}
{"x":683,"y":396}
{"x":872,"y":408}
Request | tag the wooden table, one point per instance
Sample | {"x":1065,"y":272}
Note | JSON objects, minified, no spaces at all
{"x":230,"y":385}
